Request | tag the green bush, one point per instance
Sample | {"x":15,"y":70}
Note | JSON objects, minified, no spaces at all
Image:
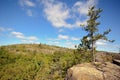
{"x":38,"y":66}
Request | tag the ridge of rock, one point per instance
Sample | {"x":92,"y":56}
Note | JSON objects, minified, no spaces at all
{"x":96,"y":71}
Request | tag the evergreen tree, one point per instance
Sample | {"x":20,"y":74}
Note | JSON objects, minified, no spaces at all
{"x":88,"y":41}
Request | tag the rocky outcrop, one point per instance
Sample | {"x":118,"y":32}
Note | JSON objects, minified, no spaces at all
{"x":96,"y":71}
{"x":117,"y":62}
{"x":103,"y":56}
{"x":106,"y":56}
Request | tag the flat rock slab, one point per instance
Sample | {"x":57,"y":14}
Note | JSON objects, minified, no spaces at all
{"x":96,"y":71}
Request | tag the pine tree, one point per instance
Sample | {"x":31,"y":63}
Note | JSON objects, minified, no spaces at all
{"x":88,"y":41}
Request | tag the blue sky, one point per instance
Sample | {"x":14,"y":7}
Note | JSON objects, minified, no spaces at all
{"x":56,"y":22}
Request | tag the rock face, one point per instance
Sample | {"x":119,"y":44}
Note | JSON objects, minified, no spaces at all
{"x":106,"y":56}
{"x":96,"y":71}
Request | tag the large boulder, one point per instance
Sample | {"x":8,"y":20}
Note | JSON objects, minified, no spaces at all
{"x":96,"y":71}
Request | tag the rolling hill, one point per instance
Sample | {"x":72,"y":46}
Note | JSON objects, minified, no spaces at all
{"x":40,"y":61}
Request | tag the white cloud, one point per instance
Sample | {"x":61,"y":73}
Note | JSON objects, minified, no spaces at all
{"x":70,"y":45}
{"x":78,"y":23}
{"x":18,"y":35}
{"x":9,"y":29}
{"x":74,"y":38}
{"x":64,"y":37}
{"x":2,"y":29}
{"x":101,"y":42}
{"x":64,"y":41}
{"x":61,"y":30}
{"x":109,"y":47}
{"x":5,"y":29}
{"x":56,"y":42}
{"x":33,"y":38}
{"x":26,"y":3}
{"x":57,"y":13}
{"x":107,"y":44}
{"x":52,"y":39}
{"x":60,"y":42}
{"x":27,"y":6}
{"x":23,"y":38}
{"x":29,"y":12}
{"x":82,"y":7}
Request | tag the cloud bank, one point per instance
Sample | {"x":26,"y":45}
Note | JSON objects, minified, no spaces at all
{"x":23,"y":38}
{"x":27,"y":6}
{"x":59,"y":14}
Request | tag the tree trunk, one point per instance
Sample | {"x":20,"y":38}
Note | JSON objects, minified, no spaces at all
{"x":93,"y":54}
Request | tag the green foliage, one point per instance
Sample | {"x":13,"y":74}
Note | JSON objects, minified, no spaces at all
{"x":26,"y":64}
{"x":88,"y":41}
{"x":83,"y":55}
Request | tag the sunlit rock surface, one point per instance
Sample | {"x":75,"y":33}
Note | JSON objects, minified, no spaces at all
{"x":96,"y":71}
